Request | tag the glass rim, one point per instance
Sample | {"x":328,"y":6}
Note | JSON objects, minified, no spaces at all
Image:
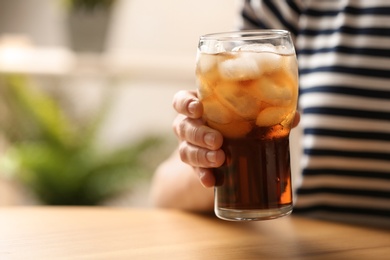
{"x":246,"y":35}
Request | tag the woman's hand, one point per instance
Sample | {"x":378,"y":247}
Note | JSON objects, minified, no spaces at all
{"x":200,"y":145}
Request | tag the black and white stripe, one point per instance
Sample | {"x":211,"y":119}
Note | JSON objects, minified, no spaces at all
{"x":343,"y":50}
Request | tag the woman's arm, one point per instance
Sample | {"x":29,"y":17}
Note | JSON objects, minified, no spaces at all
{"x":175,"y":185}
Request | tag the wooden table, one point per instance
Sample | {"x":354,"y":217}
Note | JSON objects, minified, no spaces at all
{"x":119,"y":233}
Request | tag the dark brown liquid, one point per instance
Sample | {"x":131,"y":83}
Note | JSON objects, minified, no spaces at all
{"x":255,"y":175}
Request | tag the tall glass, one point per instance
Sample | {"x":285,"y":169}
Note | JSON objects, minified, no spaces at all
{"x":248,"y":85}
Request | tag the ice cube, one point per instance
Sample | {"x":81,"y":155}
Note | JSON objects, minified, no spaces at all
{"x":242,"y":67}
{"x":271,"y":116}
{"x":204,"y":89}
{"x":266,"y":55}
{"x":238,"y":99}
{"x":223,"y":119}
{"x":284,"y":50}
{"x":291,"y":66}
{"x":287,"y":121}
{"x":235,"y":129}
{"x":215,"y":111}
{"x":211,"y":47}
{"x":206,"y":62}
{"x":268,"y":61}
{"x":256,"y":47}
{"x":272,"y":93}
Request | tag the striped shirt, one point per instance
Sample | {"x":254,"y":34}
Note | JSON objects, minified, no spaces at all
{"x":343,"y":50}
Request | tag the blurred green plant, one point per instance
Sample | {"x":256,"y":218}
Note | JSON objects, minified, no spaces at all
{"x":57,"y":158}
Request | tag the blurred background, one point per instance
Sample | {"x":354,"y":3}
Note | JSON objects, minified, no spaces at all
{"x":85,"y":94}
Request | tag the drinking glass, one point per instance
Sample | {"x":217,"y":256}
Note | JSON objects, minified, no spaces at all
{"x":248,"y":85}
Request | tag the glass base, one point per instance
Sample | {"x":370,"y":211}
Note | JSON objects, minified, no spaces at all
{"x":252,"y":215}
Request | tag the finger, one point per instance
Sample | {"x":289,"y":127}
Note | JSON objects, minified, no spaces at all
{"x":176,"y":125}
{"x":297,"y":119}
{"x":195,"y":132}
{"x":200,"y":157}
{"x":206,"y":177}
{"x":187,"y":103}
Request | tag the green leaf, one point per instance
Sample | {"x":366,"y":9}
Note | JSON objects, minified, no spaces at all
{"x":42,"y":109}
{"x":60,"y":161}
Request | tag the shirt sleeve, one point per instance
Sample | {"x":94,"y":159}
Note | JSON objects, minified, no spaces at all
{"x":270,"y":14}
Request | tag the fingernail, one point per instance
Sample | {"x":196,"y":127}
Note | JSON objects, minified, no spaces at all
{"x":209,"y":139}
{"x":192,"y":106}
{"x":211,"y":157}
{"x":201,"y":175}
